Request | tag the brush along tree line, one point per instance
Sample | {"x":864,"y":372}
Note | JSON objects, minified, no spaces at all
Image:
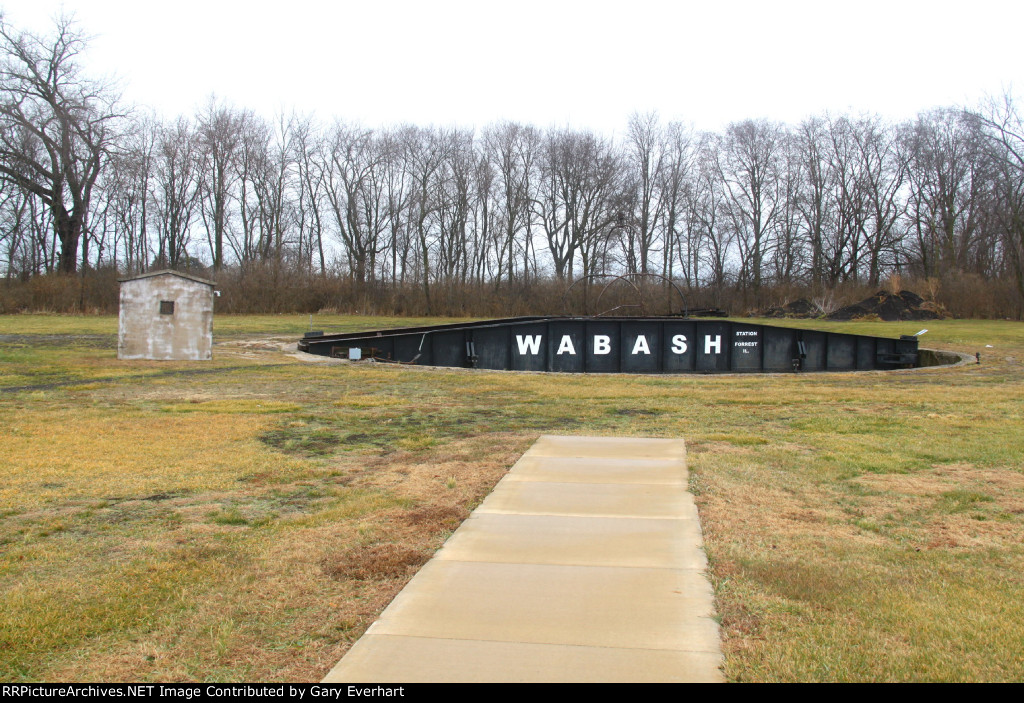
{"x":406,"y":216}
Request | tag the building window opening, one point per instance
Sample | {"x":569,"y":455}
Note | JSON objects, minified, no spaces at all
{"x":166,"y":307}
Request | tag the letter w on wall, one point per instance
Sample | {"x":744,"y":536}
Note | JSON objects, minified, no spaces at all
{"x":528,"y":344}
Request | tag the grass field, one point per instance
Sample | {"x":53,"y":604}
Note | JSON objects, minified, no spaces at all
{"x":247,"y":518}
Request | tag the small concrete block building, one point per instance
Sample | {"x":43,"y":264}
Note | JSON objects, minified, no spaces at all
{"x":166,"y":315}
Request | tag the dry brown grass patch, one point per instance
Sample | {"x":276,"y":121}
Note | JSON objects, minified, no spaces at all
{"x":958,"y":505}
{"x":739,"y":623}
{"x":437,"y":517}
{"x":810,"y":514}
{"x":375,"y":561}
{"x":945,"y":478}
{"x":968,"y":532}
{"x":462,"y":471}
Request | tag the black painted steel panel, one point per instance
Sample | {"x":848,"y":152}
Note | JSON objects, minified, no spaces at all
{"x":678,"y":343}
{"x":866,"y":353}
{"x":779,"y":348}
{"x":602,"y":339}
{"x":713,"y":346}
{"x":448,"y":348}
{"x":566,"y":346}
{"x":746,"y":348}
{"x":815,"y":346}
{"x":529,"y":353}
{"x":491,"y":346}
{"x":626,"y":345}
{"x":408,"y":347}
{"x":842,"y":352}
{"x":640,"y":350}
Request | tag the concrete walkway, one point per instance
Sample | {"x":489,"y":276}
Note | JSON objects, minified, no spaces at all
{"x":584,"y":564}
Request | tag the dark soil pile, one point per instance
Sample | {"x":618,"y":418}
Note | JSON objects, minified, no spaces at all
{"x":889,"y":307}
{"x":798,"y":308}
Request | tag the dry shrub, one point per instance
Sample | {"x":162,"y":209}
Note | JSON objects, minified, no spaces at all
{"x":784,"y":293}
{"x":281,"y":287}
{"x":971,"y":296}
{"x":375,"y":561}
{"x":95,"y":291}
{"x":828,"y":299}
{"x":274,"y":288}
{"x":826,"y":302}
{"x":894,"y":283}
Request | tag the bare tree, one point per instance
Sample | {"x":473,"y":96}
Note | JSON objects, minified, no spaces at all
{"x":844,"y":241}
{"x":709,"y":242}
{"x":354,"y":183}
{"x":220,"y":136}
{"x":455,"y":242}
{"x":175,"y":190}
{"x":125,"y":190}
{"x":645,"y":165}
{"x":674,"y":184}
{"x":399,"y":189}
{"x":814,"y":191}
{"x":56,"y":127}
{"x":25,"y":232}
{"x":265,"y":178}
{"x":749,"y":166}
{"x":252,"y":165}
{"x":575,"y":204}
{"x":787,"y":254}
{"x":948,"y":183}
{"x":426,"y":151}
{"x":310,"y":204}
{"x":884,"y":168}
{"x":1001,"y":123}
{"x":514,"y":150}
{"x":484,"y":201}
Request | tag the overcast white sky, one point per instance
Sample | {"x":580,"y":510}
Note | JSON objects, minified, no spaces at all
{"x":553,"y":62}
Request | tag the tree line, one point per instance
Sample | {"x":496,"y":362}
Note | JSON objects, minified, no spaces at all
{"x":87,"y":185}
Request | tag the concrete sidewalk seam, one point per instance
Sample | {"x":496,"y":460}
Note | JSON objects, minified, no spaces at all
{"x":553,"y":644}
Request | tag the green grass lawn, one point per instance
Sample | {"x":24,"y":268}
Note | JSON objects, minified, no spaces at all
{"x":247,"y":518}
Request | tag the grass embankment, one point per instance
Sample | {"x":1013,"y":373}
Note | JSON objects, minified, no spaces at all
{"x":249,"y":521}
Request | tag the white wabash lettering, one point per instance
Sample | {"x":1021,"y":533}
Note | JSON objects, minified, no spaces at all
{"x":679,"y":344}
{"x":529,"y":344}
{"x":565,"y":346}
{"x":640,"y":346}
{"x":602,"y":344}
{"x":716,"y":344}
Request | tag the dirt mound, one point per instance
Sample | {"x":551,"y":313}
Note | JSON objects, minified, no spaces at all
{"x":904,"y":305}
{"x":798,"y":308}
